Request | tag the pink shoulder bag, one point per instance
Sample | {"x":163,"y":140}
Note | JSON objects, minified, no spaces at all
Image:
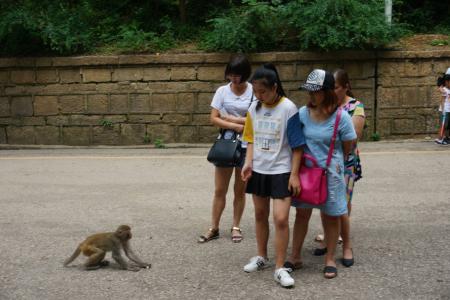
{"x":313,"y":180}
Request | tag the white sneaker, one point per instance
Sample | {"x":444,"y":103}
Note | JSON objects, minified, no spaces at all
{"x":256,"y":263}
{"x":282,"y":276}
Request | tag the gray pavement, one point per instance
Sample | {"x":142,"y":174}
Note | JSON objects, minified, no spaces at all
{"x":51,"y":199}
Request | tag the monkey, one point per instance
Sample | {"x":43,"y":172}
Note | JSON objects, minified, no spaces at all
{"x":96,"y":246}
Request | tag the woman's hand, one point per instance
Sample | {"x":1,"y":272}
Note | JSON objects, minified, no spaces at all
{"x":246,"y":172}
{"x":294,"y":185}
{"x":238,"y":128}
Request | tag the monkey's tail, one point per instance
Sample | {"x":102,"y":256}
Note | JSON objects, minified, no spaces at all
{"x":74,"y":255}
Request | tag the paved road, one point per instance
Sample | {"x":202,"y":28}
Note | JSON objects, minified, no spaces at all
{"x":51,"y":199}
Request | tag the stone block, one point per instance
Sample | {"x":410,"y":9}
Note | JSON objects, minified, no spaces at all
{"x":166,"y":133}
{"x":6,"y":121}
{"x":207,"y":134}
{"x":21,"y":106}
{"x":187,"y":134}
{"x":47,"y":135}
{"x":287,"y":72}
{"x":390,"y":68}
{"x":33,"y":121}
{"x":303,"y":71}
{"x":106,"y":135}
{"x":119,"y":103}
{"x":186,"y":102}
{"x":45,"y":105}
{"x":388,"y":97}
{"x":133,"y":134}
{"x":201,"y":119}
{"x":417,"y":68}
{"x":403,"y":125}
{"x":211,"y":74}
{"x":204,"y":102}
{"x":299,"y":97}
{"x":199,"y":86}
{"x":85,"y":120}
{"x":384,"y":127}
{"x":46,"y":76}
{"x":127,"y":74}
{"x":156,"y":74}
{"x":183,"y":73}
{"x":155,"y":118}
{"x":97,"y":103}
{"x":58,"y":120}
{"x":72,"y":104}
{"x":76,"y":136}
{"x":4,"y":77}
{"x":163,"y":102}
{"x":139,"y":103}
{"x":70,"y":75}
{"x":4,"y":107}
{"x":3,"y":139}
{"x":20,"y":135}
{"x":96,"y":75}
{"x":23,"y":76}
{"x":177,"y":119}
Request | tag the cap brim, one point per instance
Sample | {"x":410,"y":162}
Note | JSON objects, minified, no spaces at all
{"x":311,"y":87}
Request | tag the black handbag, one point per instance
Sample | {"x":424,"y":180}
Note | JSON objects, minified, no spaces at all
{"x":226,"y":152}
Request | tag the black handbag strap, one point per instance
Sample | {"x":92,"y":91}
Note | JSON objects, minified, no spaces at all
{"x":235,"y":135}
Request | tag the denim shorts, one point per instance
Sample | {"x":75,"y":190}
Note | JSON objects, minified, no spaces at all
{"x":336,"y":204}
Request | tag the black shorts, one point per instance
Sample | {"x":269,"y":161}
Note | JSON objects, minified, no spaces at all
{"x":274,"y":186}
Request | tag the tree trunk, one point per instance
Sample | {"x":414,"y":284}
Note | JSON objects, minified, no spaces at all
{"x":182,"y":8}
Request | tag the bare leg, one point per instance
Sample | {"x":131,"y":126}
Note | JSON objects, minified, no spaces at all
{"x":262,"y":211}
{"x":331,"y":227}
{"x":345,"y":233}
{"x":281,"y":220}
{"x":239,"y":200}
{"x":300,"y":230}
{"x":222,"y":180}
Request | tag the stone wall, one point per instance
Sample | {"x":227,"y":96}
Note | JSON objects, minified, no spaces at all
{"x":137,"y":99}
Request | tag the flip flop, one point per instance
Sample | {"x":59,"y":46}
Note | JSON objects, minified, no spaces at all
{"x":330,"y":269}
{"x":236,"y":238}
{"x":292,"y":267}
{"x":212,"y":235}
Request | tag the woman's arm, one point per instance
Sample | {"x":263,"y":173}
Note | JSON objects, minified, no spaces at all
{"x":347,"y":147}
{"x":358,"y":123}
{"x":222,"y":123}
{"x":234,"y":119}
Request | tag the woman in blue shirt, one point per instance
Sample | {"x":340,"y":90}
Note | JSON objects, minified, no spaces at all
{"x":317,"y":120}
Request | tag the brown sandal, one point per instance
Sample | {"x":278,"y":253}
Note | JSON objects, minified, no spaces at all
{"x":211,"y":235}
{"x":236,"y":238}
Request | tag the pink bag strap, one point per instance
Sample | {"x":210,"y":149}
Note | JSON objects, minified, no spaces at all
{"x":333,"y":139}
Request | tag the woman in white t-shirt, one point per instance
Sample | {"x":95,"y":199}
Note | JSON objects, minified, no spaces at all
{"x":228,"y":110}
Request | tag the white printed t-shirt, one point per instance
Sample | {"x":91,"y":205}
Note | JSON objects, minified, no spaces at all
{"x":266,"y":129}
{"x":228,"y":103}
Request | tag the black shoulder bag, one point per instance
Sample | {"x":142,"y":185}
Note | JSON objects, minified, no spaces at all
{"x":226,"y":152}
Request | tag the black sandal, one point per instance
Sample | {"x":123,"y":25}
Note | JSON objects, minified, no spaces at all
{"x":212,"y":235}
{"x":348,"y":262}
{"x":330,"y":269}
{"x":320,"y":251}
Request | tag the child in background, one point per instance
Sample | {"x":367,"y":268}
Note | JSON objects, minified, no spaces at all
{"x":444,"y":108}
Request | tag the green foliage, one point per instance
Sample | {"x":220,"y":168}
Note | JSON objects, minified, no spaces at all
{"x":342,"y":24}
{"x":159,"y":143}
{"x":375,"y":137}
{"x":67,"y":27}
{"x":439,"y":42}
{"x":257,"y":26}
{"x":106,"y":123}
{"x":146,"y":139}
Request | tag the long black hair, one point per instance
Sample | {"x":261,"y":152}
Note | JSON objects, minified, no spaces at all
{"x":268,"y":75}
